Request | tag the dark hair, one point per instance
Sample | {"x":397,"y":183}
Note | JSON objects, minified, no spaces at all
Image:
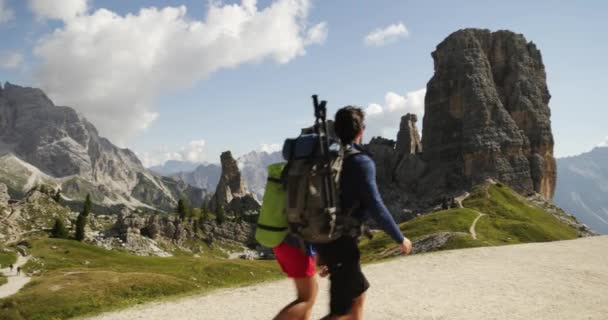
{"x":348,"y":123}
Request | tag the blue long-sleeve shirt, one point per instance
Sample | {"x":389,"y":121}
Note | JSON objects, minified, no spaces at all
{"x":358,"y":186}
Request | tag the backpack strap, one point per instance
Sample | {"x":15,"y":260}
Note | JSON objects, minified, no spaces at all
{"x":345,"y":153}
{"x":349,"y":151}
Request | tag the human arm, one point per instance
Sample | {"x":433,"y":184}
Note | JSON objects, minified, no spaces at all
{"x":369,"y":195}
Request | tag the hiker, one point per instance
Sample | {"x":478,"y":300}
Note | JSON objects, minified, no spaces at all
{"x":18,"y":270}
{"x":359,"y":192}
{"x":297,"y":263}
{"x":11,"y":266}
{"x":293,"y":255}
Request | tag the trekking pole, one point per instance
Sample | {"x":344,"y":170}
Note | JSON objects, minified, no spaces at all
{"x":321,"y":130}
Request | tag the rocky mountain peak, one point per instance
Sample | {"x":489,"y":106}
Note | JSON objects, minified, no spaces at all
{"x":487,"y":112}
{"x":231,"y":191}
{"x":44,"y":143}
{"x":408,"y":138}
{"x":231,"y":175}
{"x":25,"y":96}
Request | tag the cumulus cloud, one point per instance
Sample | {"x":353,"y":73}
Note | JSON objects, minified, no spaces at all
{"x":113,"y":67}
{"x":383,"y":120}
{"x":11,"y":60}
{"x":195,"y":151}
{"x":269,"y":147}
{"x":59,"y":10}
{"x":6,"y":13}
{"x":384,"y":36}
{"x":604,"y":143}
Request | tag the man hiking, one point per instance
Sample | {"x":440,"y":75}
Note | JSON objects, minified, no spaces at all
{"x":359,"y":193}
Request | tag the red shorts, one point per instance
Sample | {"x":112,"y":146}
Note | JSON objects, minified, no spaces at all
{"x":293,"y":262}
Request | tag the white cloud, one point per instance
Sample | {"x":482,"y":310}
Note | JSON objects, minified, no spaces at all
{"x":59,"y":10}
{"x":11,"y":60}
{"x":317,"y":34}
{"x":604,"y":143}
{"x":112,"y":67}
{"x":270,"y":147}
{"x":195,"y":151}
{"x":383,"y":120}
{"x":6,"y":13}
{"x":384,"y":36}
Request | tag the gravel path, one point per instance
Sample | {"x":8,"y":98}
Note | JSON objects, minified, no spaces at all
{"x":557,"y":280}
{"x":15,"y":282}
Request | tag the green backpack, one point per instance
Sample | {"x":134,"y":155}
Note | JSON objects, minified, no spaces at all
{"x":272,"y":223}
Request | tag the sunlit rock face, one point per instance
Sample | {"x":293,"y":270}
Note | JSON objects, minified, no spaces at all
{"x":487,"y":113}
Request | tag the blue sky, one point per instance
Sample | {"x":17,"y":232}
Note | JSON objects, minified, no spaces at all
{"x":251,"y":92}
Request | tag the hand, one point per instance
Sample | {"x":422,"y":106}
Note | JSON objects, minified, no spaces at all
{"x":406,"y":246}
{"x":323,"y":271}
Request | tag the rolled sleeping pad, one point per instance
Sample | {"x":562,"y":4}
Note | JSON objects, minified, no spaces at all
{"x":272,"y":223}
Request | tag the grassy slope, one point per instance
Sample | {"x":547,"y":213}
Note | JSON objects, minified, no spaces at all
{"x":78,"y":279}
{"x":7,"y":258}
{"x":510,"y":219}
{"x":455,"y":220}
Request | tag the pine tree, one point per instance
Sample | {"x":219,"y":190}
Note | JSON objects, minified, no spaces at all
{"x":221,"y":215}
{"x":181,"y":209}
{"x":81,"y":222}
{"x":59,"y":231}
{"x":204,"y":211}
{"x":57,"y":196}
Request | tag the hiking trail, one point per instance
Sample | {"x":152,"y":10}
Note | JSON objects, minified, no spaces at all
{"x":472,"y":228}
{"x":552,"y":280}
{"x":15,"y":282}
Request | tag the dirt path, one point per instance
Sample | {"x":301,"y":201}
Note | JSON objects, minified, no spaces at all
{"x":557,"y":280}
{"x":460,"y":199}
{"x":472,"y":228}
{"x":15,"y":282}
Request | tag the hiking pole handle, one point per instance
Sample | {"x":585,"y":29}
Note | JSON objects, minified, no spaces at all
{"x":320,"y":108}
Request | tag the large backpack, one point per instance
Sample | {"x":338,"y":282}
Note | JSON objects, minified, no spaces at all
{"x":312,"y":178}
{"x":313,"y":188}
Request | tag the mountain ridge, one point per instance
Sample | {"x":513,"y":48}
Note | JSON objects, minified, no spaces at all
{"x":582,"y":187}
{"x":69,"y":154}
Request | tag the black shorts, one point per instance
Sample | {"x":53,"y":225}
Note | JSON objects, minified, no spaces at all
{"x":347,"y":282}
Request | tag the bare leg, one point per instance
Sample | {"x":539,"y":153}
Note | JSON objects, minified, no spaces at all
{"x":357,"y":311}
{"x":302,"y":306}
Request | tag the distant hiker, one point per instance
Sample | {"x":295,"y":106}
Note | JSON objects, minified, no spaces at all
{"x":294,"y":256}
{"x":18,"y":270}
{"x":11,"y":267}
{"x":445,"y":205}
{"x":358,"y":192}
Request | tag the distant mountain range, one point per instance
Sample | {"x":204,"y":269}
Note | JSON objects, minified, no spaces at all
{"x":206,"y":176}
{"x":41,"y":143}
{"x":582,"y":181}
{"x":582,"y":187}
{"x":172,"y":167}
